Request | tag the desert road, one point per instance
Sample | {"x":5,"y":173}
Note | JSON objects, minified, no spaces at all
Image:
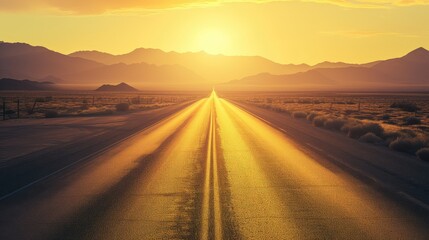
{"x":215,"y":169}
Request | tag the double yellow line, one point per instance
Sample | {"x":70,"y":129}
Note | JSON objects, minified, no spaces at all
{"x":211,"y":222}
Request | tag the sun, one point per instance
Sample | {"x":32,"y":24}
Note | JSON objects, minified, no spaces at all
{"x":213,"y":41}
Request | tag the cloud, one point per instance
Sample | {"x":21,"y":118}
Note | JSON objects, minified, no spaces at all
{"x":372,"y":3}
{"x":364,"y":34}
{"x":100,"y":6}
{"x":95,"y":6}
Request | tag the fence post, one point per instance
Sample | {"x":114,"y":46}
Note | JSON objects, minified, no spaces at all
{"x":4,"y":109}
{"x":17,"y":107}
{"x":34,"y":105}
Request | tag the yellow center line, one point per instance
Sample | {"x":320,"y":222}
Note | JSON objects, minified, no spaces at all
{"x":211,"y":176}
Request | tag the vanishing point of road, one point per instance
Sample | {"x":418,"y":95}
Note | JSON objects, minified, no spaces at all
{"x":214,"y":170}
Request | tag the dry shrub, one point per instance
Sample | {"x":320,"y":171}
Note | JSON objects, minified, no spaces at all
{"x":405,"y":106}
{"x":370,"y":138}
{"x":385,"y":117}
{"x":412,"y":120}
{"x":286,"y":111}
{"x":335,"y":123}
{"x":299,"y":114}
{"x":406,"y":133}
{"x":122,"y":107}
{"x":51,"y":114}
{"x":311,"y":116}
{"x":319,"y":121}
{"x":423,"y":154}
{"x":348,"y":125}
{"x":391,"y":136}
{"x":408,"y":145}
{"x":361,"y":129}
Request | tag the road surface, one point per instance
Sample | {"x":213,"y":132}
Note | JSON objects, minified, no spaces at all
{"x":215,"y":170}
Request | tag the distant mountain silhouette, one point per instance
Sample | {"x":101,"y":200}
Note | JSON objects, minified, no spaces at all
{"x":156,"y":69}
{"x":410,"y":72}
{"x":121,"y":87}
{"x":412,"y":68}
{"x":19,"y":60}
{"x":327,"y":64}
{"x":13,"y":84}
{"x":214,"y":68}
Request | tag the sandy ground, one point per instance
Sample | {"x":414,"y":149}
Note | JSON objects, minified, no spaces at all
{"x":19,"y":137}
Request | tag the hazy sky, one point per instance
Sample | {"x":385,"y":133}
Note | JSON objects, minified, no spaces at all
{"x":283,"y":31}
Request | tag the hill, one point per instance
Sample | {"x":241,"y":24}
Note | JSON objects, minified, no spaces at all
{"x":7,"y":84}
{"x":23,"y":61}
{"x":121,"y":87}
{"x":410,"y":72}
{"x":20,"y":60}
{"x":412,"y":68}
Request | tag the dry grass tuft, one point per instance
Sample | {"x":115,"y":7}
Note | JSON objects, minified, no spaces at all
{"x":319,"y":121}
{"x":299,"y":114}
{"x":361,"y":129}
{"x":407,"y":144}
{"x":370,"y":138}
{"x":51,"y":114}
{"x":122,"y":107}
{"x":335,"y":123}
{"x":423,"y":154}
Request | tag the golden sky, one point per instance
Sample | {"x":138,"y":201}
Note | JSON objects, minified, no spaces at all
{"x":283,"y":31}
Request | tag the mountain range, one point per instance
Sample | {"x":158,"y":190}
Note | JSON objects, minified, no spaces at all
{"x":213,"y":68}
{"x":157,"y":69}
{"x":410,"y":72}
{"x":7,"y":84}
{"x":23,"y":61}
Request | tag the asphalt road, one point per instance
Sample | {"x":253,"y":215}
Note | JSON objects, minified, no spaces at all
{"x":216,"y":170}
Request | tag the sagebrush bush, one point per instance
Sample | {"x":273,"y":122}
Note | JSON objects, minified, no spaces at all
{"x":311,"y":116}
{"x":407,"y":133}
{"x":84,"y":107}
{"x":319,"y":121}
{"x":349,"y":124}
{"x":385,"y":117}
{"x":405,"y":106}
{"x":122,"y":107}
{"x":51,"y":114}
{"x":335,"y":123}
{"x":286,"y":111}
{"x":390,"y":136}
{"x":299,"y":114}
{"x":370,"y":138}
{"x":423,"y":154}
{"x":409,"y":145}
{"x":412,"y":120}
{"x":361,"y":129}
